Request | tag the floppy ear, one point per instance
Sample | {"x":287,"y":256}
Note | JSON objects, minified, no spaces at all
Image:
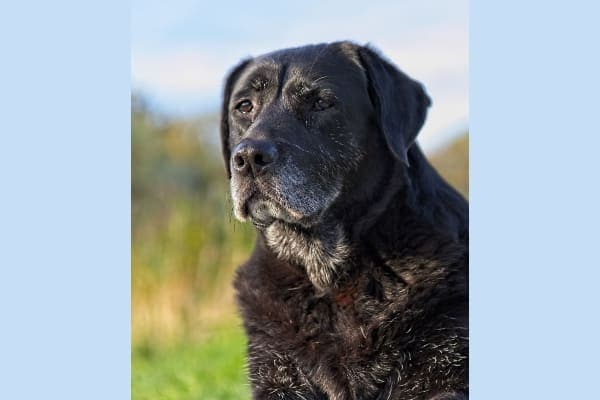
{"x":229,"y":82}
{"x":400,"y":102}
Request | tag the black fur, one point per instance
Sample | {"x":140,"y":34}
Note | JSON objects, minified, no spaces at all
{"x":386,"y":317}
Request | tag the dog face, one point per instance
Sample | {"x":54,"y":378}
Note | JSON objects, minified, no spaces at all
{"x":298,"y":125}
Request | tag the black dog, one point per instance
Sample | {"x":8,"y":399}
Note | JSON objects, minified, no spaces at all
{"x":357,"y":287}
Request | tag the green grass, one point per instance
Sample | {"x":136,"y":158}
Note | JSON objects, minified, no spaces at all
{"x":210,"y":369}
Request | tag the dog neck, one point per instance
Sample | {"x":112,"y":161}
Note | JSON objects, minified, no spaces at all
{"x":321,"y":250}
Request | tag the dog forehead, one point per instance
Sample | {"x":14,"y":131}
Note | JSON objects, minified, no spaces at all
{"x":308,"y":63}
{"x":309,"y":56}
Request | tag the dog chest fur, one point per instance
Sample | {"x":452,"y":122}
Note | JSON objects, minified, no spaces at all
{"x":374,"y":335}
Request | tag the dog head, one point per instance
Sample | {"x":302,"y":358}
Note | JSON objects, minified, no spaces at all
{"x":298,"y":126}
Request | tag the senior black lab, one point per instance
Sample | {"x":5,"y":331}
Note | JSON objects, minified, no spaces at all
{"x":358,"y":284}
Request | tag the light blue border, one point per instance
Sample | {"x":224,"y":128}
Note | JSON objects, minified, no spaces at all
{"x":64,"y":200}
{"x":534,"y":199}
{"x":65,"y":187}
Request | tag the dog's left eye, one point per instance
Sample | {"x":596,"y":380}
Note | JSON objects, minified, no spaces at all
{"x":245,"y":106}
{"x":322,"y":104}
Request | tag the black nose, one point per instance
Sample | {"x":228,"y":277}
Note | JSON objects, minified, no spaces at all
{"x":253,"y":156}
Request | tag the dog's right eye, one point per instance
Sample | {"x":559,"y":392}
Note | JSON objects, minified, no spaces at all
{"x":244,"y":106}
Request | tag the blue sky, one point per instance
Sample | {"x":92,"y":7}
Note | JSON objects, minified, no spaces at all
{"x":181,"y":50}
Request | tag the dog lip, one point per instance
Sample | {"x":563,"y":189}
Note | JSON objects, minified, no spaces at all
{"x":290,"y":216}
{"x":260,"y":224}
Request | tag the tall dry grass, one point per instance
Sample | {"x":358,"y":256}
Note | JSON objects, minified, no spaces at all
{"x":185,"y":244}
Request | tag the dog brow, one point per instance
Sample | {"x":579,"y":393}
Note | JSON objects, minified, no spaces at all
{"x":259,"y":82}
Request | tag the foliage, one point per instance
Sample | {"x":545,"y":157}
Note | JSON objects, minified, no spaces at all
{"x":185,"y":244}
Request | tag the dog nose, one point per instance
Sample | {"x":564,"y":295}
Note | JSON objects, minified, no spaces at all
{"x":253,"y":156}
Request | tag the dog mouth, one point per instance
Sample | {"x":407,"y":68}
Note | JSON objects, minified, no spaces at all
{"x":262,"y":211}
{"x":264,"y":202}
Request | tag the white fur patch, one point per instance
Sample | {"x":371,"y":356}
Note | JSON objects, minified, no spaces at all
{"x":322,"y":254}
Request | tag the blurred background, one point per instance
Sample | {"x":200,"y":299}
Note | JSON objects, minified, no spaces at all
{"x":187,"y":341}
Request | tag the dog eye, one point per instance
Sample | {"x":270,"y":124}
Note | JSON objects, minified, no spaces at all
{"x":244,"y":107}
{"x":322,"y":104}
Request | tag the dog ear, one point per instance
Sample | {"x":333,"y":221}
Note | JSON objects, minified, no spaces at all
{"x":227,"y":89}
{"x":400,"y":102}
